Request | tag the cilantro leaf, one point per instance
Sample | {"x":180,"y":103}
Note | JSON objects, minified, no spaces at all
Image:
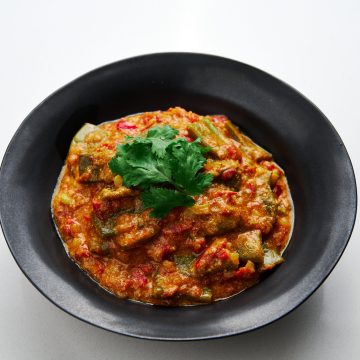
{"x":162,"y":132}
{"x":162,"y":200}
{"x":158,"y":137}
{"x":139,"y":167}
{"x":161,"y":159}
{"x":186,"y":161}
{"x":161,"y":138}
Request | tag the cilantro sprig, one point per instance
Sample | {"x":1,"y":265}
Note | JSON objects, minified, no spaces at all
{"x":166,"y":168}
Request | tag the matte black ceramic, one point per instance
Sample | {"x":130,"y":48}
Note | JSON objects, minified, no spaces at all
{"x":276,"y":116}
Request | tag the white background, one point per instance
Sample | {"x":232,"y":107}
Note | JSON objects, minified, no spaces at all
{"x":312,"y":45}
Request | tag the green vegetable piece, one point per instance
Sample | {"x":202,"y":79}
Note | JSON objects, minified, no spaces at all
{"x":220,"y":139}
{"x":86,"y":165}
{"x":217,"y":257}
{"x":199,"y":295}
{"x":265,"y":192}
{"x":249,"y":246}
{"x":272,"y":258}
{"x":209,"y":135}
{"x":206,"y":295}
{"x":233,"y":131}
{"x":104,"y":228}
{"x":85,"y":129}
{"x":246,"y":145}
{"x":66,"y":199}
{"x":185,"y":263}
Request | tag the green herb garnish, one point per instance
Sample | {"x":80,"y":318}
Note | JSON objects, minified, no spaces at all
{"x":167,"y":169}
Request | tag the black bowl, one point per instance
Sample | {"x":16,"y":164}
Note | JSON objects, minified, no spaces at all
{"x":276,"y":116}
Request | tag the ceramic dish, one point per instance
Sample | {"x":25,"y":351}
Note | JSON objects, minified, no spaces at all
{"x":303,"y":142}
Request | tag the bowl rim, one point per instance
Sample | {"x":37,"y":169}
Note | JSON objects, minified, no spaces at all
{"x":114,"y":64}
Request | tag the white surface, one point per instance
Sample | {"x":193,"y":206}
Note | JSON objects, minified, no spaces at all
{"x":312,"y":45}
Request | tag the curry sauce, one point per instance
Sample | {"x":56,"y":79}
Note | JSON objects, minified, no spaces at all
{"x":234,"y":231}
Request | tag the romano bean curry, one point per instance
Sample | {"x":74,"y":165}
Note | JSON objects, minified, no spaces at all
{"x":172,"y":208}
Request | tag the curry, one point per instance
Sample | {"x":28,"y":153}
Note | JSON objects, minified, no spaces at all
{"x":172,"y":208}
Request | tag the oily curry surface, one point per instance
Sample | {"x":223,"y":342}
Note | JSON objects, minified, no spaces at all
{"x":215,"y":247}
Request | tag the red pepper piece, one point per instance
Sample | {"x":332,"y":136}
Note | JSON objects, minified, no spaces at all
{"x":219,"y":118}
{"x":125,"y":125}
{"x":228,"y":174}
{"x":278,"y":190}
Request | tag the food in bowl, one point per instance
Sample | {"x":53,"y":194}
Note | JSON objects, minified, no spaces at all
{"x":172,"y":208}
